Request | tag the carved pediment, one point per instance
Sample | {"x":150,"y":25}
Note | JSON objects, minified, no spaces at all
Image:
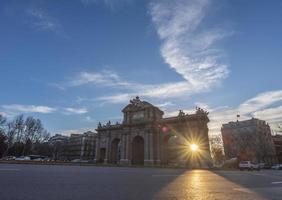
{"x":136,"y":104}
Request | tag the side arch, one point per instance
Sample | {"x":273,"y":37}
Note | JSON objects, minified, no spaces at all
{"x":138,"y":150}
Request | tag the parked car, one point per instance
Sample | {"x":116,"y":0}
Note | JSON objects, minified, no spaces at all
{"x":8,"y":158}
{"x":267,"y":166}
{"x":277,"y":167}
{"x":248,"y":165}
{"x":22,"y":158}
{"x":261,"y":165}
{"x":79,"y":161}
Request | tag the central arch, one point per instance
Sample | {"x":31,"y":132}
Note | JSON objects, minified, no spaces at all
{"x":115,"y":151}
{"x":169,"y":150}
{"x":138,"y":151}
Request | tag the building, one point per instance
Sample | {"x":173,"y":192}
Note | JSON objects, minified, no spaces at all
{"x":277,"y":139}
{"x":248,"y":140}
{"x":75,"y":146}
{"x":80,"y":146}
{"x":57,"y":143}
{"x":146,"y":138}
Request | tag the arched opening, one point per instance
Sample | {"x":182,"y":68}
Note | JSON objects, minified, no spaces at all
{"x":170,"y":150}
{"x":102,"y":155}
{"x":138,"y":151}
{"x":115,"y":151}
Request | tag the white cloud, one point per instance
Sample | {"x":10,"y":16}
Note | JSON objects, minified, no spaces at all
{"x":17,"y":108}
{"x":90,"y":119}
{"x":188,"y":49}
{"x":185,"y":48}
{"x":68,"y":132}
{"x":104,"y":78}
{"x":261,"y":101}
{"x":39,"y":19}
{"x":117,"y":98}
{"x":75,"y":110}
{"x":266,"y":106}
{"x":270,"y":114}
{"x":112,"y":4}
{"x":3,"y":114}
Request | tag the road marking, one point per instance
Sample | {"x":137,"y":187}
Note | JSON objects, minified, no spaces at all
{"x":3,"y":169}
{"x":166,"y":175}
{"x":242,"y":190}
{"x":277,"y":182}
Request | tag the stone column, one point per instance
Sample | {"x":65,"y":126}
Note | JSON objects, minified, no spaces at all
{"x":82,"y":148}
{"x":124,"y":158}
{"x":107,"y":149}
{"x":158,"y":161}
{"x":149,"y":149}
{"x":97,"y":150}
{"x":128,"y":148}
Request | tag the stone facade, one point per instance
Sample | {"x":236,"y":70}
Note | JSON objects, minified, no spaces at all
{"x":57,"y":143}
{"x":80,"y":146}
{"x":146,"y":138}
{"x":76,"y":146}
{"x":249,"y":140}
{"x":277,"y":139}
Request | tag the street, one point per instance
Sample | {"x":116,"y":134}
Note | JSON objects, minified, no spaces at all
{"x":35,"y":182}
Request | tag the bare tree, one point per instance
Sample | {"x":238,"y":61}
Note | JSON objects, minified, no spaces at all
{"x":217,"y":149}
{"x":19,"y":127}
{"x":3,"y":121}
{"x":21,"y":134}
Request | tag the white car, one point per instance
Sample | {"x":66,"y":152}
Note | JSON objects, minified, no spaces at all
{"x":248,"y":165}
{"x":21,"y":158}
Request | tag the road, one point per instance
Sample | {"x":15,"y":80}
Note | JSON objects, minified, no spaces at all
{"x":36,"y":182}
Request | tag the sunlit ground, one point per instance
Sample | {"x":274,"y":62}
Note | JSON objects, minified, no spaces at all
{"x":202,"y":184}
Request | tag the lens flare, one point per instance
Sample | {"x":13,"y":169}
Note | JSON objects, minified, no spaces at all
{"x":194,"y":147}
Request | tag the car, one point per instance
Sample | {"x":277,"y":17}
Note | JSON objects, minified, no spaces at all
{"x":22,"y":158}
{"x":79,"y":161}
{"x":248,"y":165}
{"x":277,"y":167}
{"x":267,"y":166}
{"x":8,"y":158}
{"x":261,"y":165}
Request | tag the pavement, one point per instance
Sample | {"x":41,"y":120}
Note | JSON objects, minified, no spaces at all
{"x":49,"y":182}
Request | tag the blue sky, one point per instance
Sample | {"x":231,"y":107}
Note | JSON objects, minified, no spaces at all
{"x":75,"y":63}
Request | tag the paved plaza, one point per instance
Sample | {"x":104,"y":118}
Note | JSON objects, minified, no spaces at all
{"x":35,"y":182}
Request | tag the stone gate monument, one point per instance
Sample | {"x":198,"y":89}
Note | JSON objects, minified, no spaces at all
{"x":146,"y":138}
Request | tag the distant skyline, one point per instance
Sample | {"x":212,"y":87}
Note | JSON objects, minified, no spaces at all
{"x":75,"y":63}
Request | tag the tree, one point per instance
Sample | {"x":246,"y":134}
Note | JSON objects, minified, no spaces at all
{"x":3,"y":138}
{"x":217,"y":149}
{"x":3,"y":144}
{"x":3,"y":121}
{"x":18,"y":124}
{"x":22,"y":134}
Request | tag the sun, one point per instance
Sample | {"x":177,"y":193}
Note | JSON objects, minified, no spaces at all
{"x":194,"y":147}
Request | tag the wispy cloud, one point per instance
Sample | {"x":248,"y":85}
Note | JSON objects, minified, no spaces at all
{"x":17,"y":108}
{"x":41,"y":20}
{"x":187,"y":47}
{"x":3,"y":114}
{"x":261,"y":101}
{"x":75,"y":110}
{"x":104,"y":78}
{"x":112,"y":4}
{"x":266,"y":106}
